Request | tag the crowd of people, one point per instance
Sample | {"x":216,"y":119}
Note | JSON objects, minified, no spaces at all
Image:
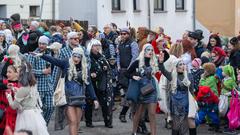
{"x":73,"y":71}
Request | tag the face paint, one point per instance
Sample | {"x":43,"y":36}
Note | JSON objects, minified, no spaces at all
{"x":148,"y":49}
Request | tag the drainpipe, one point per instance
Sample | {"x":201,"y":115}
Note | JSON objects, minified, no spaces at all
{"x":149,"y":15}
{"x":53,"y":9}
{"x":194,"y":15}
{"x":41,"y":10}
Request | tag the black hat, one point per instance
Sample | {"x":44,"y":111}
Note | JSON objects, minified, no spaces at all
{"x":194,"y":35}
{"x":15,"y":17}
{"x":33,"y":38}
{"x":200,"y":34}
{"x":234,"y":41}
{"x":204,"y":60}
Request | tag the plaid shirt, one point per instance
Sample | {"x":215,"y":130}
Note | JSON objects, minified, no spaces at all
{"x":38,"y":65}
{"x":65,"y":53}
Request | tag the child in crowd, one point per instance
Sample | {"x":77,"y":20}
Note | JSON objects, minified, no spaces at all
{"x":208,"y":106}
{"x":238,"y":77}
{"x":196,"y":72}
{"x":210,"y":79}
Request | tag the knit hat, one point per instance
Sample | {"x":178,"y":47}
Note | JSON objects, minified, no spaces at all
{"x":35,"y":24}
{"x":44,"y":40}
{"x":13,"y":51}
{"x":2,"y":33}
{"x":92,"y":43}
{"x":72,"y":34}
{"x":203,"y":91}
{"x":204,"y":60}
{"x":78,"y":51}
{"x":219,"y":51}
{"x":125,"y":30}
{"x":196,"y":63}
{"x":228,"y":70}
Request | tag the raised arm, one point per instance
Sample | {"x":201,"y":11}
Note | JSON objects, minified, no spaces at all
{"x":55,"y":61}
{"x":167,"y":74}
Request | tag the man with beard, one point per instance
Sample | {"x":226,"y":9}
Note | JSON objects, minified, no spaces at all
{"x":42,"y":72}
{"x":128,"y":51}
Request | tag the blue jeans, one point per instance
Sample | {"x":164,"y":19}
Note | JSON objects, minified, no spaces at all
{"x":213,"y":116}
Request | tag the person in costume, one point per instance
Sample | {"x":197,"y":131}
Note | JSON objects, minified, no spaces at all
{"x":142,"y":70}
{"x":77,"y":85}
{"x":209,"y":78}
{"x":208,"y":106}
{"x":27,"y":103}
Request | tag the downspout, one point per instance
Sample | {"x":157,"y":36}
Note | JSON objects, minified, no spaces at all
{"x":41,"y":10}
{"x":194,"y":15}
{"x":149,"y":15}
{"x":53,"y":9}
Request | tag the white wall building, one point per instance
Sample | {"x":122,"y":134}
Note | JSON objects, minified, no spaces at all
{"x":175,"y":16}
{"x":27,"y":8}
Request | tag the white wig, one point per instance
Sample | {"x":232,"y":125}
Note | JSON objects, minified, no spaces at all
{"x":13,"y":52}
{"x":153,"y":60}
{"x":91,"y":44}
{"x":72,"y":71}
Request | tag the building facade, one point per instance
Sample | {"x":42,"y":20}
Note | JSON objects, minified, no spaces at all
{"x":175,"y":16}
{"x":27,"y":8}
{"x":219,"y":16}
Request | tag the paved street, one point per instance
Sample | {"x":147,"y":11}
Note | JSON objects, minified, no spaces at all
{"x":122,"y":128}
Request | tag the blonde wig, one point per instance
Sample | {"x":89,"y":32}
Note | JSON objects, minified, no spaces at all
{"x":153,"y":60}
{"x":72,"y":71}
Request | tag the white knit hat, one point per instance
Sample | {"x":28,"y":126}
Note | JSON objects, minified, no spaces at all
{"x":43,"y":39}
{"x":35,"y":24}
{"x":78,"y":51}
{"x":13,"y":50}
{"x":72,"y":34}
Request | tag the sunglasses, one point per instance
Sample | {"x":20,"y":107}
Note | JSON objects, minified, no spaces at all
{"x":74,"y":38}
{"x":123,"y":34}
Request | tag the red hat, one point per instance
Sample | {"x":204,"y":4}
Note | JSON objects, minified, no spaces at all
{"x":219,"y":51}
{"x":203,"y":90}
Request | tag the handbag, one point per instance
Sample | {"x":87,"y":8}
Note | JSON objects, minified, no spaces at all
{"x":234,"y":113}
{"x":223,"y":105}
{"x":59,"y":97}
{"x":75,"y":93}
{"x":193,"y":106}
{"x":147,"y":89}
{"x":133,"y":91}
{"x":76,"y":100}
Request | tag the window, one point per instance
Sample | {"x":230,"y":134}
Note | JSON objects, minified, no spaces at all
{"x":116,"y":5}
{"x":179,"y":4}
{"x":34,"y":11}
{"x":136,"y":6}
{"x":159,"y":5}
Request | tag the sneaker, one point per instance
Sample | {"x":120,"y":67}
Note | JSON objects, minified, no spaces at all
{"x":229,"y":132}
